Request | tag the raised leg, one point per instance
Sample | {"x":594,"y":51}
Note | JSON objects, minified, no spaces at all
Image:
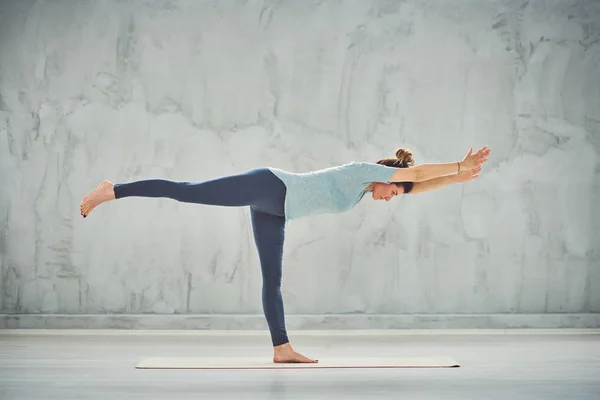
{"x":258,"y":188}
{"x":233,"y":190}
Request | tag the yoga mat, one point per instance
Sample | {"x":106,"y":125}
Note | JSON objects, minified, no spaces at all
{"x":266,"y":363}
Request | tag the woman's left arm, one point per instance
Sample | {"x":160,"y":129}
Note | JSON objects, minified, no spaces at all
{"x":436,"y":183}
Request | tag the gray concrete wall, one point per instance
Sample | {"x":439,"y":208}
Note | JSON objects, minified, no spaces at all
{"x":190,"y":90}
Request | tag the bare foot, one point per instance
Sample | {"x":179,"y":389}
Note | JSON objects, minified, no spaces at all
{"x":285,"y":354}
{"x":102,"y":193}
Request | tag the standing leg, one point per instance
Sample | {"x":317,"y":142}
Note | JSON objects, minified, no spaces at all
{"x":269,"y":233}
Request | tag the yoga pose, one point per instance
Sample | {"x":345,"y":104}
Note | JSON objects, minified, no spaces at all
{"x":276,"y":196}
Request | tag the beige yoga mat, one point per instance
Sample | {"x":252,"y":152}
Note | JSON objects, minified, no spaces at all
{"x":265,"y":363}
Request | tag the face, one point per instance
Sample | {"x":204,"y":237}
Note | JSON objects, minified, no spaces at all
{"x":386,"y":191}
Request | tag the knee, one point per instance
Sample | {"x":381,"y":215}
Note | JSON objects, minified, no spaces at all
{"x":272,"y":286}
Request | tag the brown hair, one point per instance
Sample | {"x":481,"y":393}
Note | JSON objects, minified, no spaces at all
{"x":404,"y":159}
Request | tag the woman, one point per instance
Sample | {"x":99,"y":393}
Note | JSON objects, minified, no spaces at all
{"x":276,"y":196}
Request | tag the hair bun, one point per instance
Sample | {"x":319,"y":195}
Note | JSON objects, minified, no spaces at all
{"x":405,"y":156}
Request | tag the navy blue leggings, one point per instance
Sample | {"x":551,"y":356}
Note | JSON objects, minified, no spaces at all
{"x":258,"y":188}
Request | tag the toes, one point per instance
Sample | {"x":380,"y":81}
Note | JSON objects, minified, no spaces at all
{"x":304,"y":359}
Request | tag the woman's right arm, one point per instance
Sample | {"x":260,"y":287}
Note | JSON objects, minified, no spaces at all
{"x":425,"y":172}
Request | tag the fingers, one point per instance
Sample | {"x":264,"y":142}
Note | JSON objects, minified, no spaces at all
{"x":482,"y":155}
{"x":484,"y":151}
{"x":473,"y":161}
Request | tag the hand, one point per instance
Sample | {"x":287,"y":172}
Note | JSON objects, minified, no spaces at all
{"x":467,"y":175}
{"x":472,"y":161}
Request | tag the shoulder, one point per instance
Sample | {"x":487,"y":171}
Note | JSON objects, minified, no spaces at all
{"x":358,"y":164}
{"x":373,"y":172}
{"x":364,"y":166}
{"x":370,"y":165}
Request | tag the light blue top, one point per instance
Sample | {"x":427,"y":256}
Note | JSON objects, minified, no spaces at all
{"x":330,"y":190}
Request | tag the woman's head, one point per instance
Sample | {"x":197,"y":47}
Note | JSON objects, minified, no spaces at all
{"x":383,"y":191}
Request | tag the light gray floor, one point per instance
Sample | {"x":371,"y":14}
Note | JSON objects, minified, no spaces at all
{"x":97,"y":366}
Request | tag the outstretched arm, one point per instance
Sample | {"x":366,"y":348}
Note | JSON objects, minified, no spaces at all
{"x":425,"y":172}
{"x":436,"y":183}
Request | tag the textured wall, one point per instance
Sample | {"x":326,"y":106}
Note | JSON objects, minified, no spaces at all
{"x":190,"y":90}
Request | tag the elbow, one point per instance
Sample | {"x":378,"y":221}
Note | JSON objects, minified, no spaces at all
{"x":417,"y":175}
{"x":412,"y":174}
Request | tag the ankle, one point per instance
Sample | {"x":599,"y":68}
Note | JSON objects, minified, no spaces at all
{"x":110,"y":190}
{"x":282,"y":347}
